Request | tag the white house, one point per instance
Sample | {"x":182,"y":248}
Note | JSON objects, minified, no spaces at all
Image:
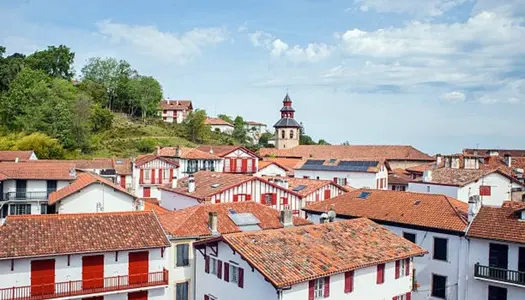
{"x":25,"y":186}
{"x":124,"y":171}
{"x":16,"y":156}
{"x":493,"y":186}
{"x":437,"y":223}
{"x":255,"y":130}
{"x":270,"y":168}
{"x":218,"y":124}
{"x":188,"y":225}
{"x":355,"y":259}
{"x":237,"y":159}
{"x":79,"y":256}
{"x":496,"y":261}
{"x":151,"y":171}
{"x":175,"y":111}
{"x":90,"y":193}
{"x":358,"y":174}
{"x":192,"y":160}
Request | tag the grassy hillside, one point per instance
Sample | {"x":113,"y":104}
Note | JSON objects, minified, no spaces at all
{"x":129,"y":138}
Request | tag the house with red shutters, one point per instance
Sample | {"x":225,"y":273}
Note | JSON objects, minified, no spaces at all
{"x":151,"y":171}
{"x":175,"y":111}
{"x":237,"y":159}
{"x":355,"y":259}
{"x":191,"y":160}
{"x":84,"y":256}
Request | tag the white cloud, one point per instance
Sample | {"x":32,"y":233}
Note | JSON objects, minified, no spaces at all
{"x":414,"y":7}
{"x":167,"y":46}
{"x":454,"y":97}
{"x":313,"y":52}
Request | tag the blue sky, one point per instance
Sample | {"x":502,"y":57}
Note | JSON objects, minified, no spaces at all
{"x":441,"y":75}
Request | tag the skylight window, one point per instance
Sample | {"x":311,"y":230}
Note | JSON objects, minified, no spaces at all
{"x":363,"y":195}
{"x":215,"y":185}
{"x":299,"y":188}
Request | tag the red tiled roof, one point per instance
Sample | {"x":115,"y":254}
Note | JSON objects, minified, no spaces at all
{"x":38,"y":170}
{"x":11,"y":156}
{"x":82,"y":181}
{"x":170,"y":104}
{"x":292,"y":255}
{"x":217,"y":122}
{"x":193,"y":221}
{"x":81,"y":164}
{"x":150,"y":205}
{"x":187,"y":153}
{"x":501,"y":152}
{"x":420,"y":168}
{"x":352,"y":152}
{"x":264,"y":163}
{"x":254,"y":123}
{"x":223,"y":150}
{"x":60,"y":234}
{"x":426,"y":210}
{"x":146,"y":158}
{"x":399,"y":178}
{"x":310,"y":185}
{"x":501,"y":224}
{"x":122,"y":166}
{"x":459,"y":177}
{"x":291,"y":163}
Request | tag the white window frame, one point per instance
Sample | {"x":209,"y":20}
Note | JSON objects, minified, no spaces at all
{"x":234,"y":274}
{"x":238,"y":165}
{"x":213,"y":265}
{"x":147,"y":174}
{"x":270,"y":202}
{"x":402,"y":268}
{"x":319,"y":288}
{"x":166,"y":173}
{"x":227,"y":165}
{"x":249,"y":164}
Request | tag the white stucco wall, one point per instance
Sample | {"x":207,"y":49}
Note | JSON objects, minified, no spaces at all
{"x":174,"y":201}
{"x":222,"y":128}
{"x":271,"y":170}
{"x":86,"y":200}
{"x":181,"y":274}
{"x":451,"y":191}
{"x":354,"y":179}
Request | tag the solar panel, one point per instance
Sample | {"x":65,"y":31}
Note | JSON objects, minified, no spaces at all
{"x":363,"y":195}
{"x":244,"y":219}
{"x":299,"y":188}
{"x":314,"y":162}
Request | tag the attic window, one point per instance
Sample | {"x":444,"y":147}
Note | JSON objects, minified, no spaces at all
{"x":118,"y":162}
{"x":215,"y":185}
{"x":417,"y":202}
{"x":364,"y":195}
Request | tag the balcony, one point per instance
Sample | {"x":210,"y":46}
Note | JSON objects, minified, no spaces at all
{"x":516,"y":278}
{"x":81,"y":288}
{"x":24,"y":195}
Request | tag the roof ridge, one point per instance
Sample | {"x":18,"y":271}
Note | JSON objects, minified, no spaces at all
{"x":460,"y":215}
{"x":57,"y":216}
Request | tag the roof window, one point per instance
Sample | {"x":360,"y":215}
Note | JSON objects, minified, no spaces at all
{"x":364,"y":195}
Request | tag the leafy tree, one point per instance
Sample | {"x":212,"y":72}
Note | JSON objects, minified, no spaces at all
{"x":146,"y":94}
{"x":264,"y":139}
{"x":100,"y":118}
{"x":239,"y":132}
{"x":44,"y":146}
{"x":9,"y":68}
{"x":55,"y":61}
{"x":95,"y":90}
{"x":345,"y":143}
{"x":196,"y":130}
{"x":146,"y":145}
{"x":323,"y":142}
{"x":306,"y":140}
{"x":225,"y":118}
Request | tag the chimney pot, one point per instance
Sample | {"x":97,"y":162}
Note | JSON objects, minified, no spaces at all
{"x":212,"y":222}
{"x":287,"y":217}
{"x":473,"y":207}
{"x":174,"y":182}
{"x":177,"y":152}
{"x":508,"y":160}
{"x":191,"y":184}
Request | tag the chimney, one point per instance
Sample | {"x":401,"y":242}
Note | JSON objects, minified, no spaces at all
{"x":174,"y":182}
{"x":17,"y":159}
{"x":212,"y":222}
{"x":438,"y":159}
{"x":324,"y":218}
{"x":493,"y":153}
{"x":177,"y":152}
{"x":331,"y":214}
{"x":286,"y":217}
{"x":191,"y":184}
{"x":285,"y":184}
{"x":157,"y":150}
{"x":427,"y":176}
{"x":473,"y":202}
{"x":508,"y":160}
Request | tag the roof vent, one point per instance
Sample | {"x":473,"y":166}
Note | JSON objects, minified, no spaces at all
{"x":364,"y":195}
{"x":213,"y":222}
{"x":417,"y":202}
{"x":215,"y":185}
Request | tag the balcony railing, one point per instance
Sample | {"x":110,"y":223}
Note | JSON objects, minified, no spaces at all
{"x":79,"y":287}
{"x":24,"y":195}
{"x":499,"y":274}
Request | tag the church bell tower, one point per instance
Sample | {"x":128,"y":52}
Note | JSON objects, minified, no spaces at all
{"x":287,"y":130}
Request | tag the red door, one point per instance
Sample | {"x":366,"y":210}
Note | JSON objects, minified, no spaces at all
{"x":327,"y":194}
{"x":93,"y":272}
{"x":147,"y":192}
{"x":138,"y":267}
{"x":143,"y":295}
{"x":42,"y":277}
{"x":123,"y":181}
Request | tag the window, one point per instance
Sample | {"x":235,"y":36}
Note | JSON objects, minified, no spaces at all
{"x":183,"y":255}
{"x":319,"y":288}
{"x":43,"y":209}
{"x":234,"y":274}
{"x":410,"y":236}
{"x":380,"y":273}
{"x":51,"y":186}
{"x":283,"y":134}
{"x":428,"y":188}
{"x":497,"y":293}
{"x":182,"y":291}
{"x":213,"y":265}
{"x":440,"y":249}
{"x":226,"y":165}
{"x":404,"y":264}
{"x":268,"y":199}
{"x":249,"y":165}
{"x":291,"y":134}
{"x":147,"y":173}
{"x":439,"y":286}
{"x":19,"y":209}
{"x":484,"y":190}
{"x":166,"y":173}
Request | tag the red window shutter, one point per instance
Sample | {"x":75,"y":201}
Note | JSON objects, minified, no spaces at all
{"x":248,"y":197}
{"x":274,"y":199}
{"x":161,"y":174}
{"x":408,"y":296}
{"x":349,"y":281}
{"x":285,"y":201}
{"x":484,"y":190}
{"x":235,"y":198}
{"x":327,"y":194}
{"x":380,"y":273}
{"x":327,"y":287}
{"x":171,"y":175}
{"x":394,"y":298}
{"x":217,"y":200}
{"x":141,"y":180}
{"x":219,"y":269}
{"x":407,"y":266}
{"x":240,"y":282}
{"x":398,"y":265}
{"x":244,"y":167}
{"x":233,"y":165}
{"x":335,"y":179}
{"x":207,"y":264}
{"x":226,"y":272}
{"x":311,"y":286}
{"x":262,"y":199}
{"x":317,"y":196}
{"x":206,"y":297}
{"x":152,"y":175}
{"x":346,"y":181}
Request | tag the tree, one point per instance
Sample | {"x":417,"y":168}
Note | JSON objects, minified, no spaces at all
{"x":225,"y":118}
{"x":264,"y":139}
{"x":306,"y":140}
{"x":323,"y":142}
{"x":196,"y":130}
{"x":146,"y":94}
{"x":146,"y":145}
{"x":55,"y":61}
{"x":100,"y":118}
{"x":9,"y":68}
{"x":44,"y":146}
{"x":239,"y":133}
{"x":95,"y":90}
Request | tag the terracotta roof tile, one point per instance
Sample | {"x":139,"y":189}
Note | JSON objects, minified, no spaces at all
{"x":223,"y":150}
{"x":352,"y":152}
{"x":169,"y":104}
{"x":38,"y":170}
{"x":426,"y":210}
{"x":293,"y":255}
{"x":82,"y":181}
{"x":142,"y":159}
{"x":11,"y":156}
{"x":82,"y":164}
{"x":187,"y":153}
{"x":217,"y":122}
{"x":123,"y":166}
{"x":310,"y":185}
{"x":458,"y":177}
{"x":254,"y":123}
{"x":154,"y":206}
{"x":501,"y":224}
{"x":420,"y":168}
{"x":501,"y":152}
{"x":398,"y":178}
{"x":58,"y":234}
{"x":193,"y":221}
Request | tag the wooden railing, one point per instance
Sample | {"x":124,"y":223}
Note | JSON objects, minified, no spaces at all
{"x":499,"y":274}
{"x":79,"y":287}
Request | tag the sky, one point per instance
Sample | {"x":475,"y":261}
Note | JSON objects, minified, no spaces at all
{"x":441,"y":75}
